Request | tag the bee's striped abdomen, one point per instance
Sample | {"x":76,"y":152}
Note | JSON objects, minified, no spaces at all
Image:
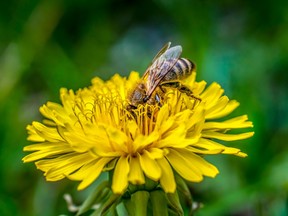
{"x":182,"y":69}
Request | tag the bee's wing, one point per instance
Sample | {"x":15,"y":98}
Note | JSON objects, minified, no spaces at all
{"x":161,"y":51}
{"x":160,"y":67}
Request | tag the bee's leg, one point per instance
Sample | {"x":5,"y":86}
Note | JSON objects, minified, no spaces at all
{"x":178,"y":85}
{"x":187,"y":91}
{"x":182,"y":88}
{"x":160,"y":87}
{"x":131,"y":109}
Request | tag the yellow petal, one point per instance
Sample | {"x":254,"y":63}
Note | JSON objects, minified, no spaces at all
{"x":212,"y":94}
{"x":149,"y":166}
{"x":136,"y":175}
{"x":48,"y":133}
{"x":214,"y":146}
{"x":63,"y":165}
{"x":219,"y":106}
{"x":241,"y":154}
{"x":238,"y":122}
{"x":175,"y":138}
{"x":205,"y":167}
{"x":46,"y":150}
{"x":90,"y":173}
{"x":162,"y":116}
{"x":184,"y":166}
{"x":116,"y":136}
{"x":230,"y":107}
{"x":190,"y":166}
{"x":133,"y":129}
{"x":142,"y":141}
{"x":204,"y":151}
{"x":120,"y":176}
{"x":156,"y":153}
{"x":33,"y":136}
{"x":64,"y":169}
{"x":197,"y":116}
{"x":167,"y":180}
{"x":198,"y":87}
{"x":226,"y":137}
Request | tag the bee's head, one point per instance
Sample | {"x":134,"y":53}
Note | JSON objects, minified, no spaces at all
{"x":138,"y":94}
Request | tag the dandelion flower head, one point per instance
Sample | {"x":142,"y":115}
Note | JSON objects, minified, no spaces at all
{"x":92,"y":131}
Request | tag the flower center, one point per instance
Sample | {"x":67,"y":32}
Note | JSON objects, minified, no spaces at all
{"x":145,"y":117}
{"x":99,"y":107}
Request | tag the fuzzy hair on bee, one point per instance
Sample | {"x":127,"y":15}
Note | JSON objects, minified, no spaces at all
{"x":166,"y":70}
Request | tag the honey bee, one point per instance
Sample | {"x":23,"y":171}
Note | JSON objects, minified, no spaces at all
{"x":166,"y":70}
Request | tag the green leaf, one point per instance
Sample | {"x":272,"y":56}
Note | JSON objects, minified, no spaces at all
{"x":183,"y":189}
{"x":174,"y":203}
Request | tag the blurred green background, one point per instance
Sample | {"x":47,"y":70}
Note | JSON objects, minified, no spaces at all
{"x":243,"y":45}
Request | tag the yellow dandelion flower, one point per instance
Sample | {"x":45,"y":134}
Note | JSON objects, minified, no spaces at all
{"x":92,"y":131}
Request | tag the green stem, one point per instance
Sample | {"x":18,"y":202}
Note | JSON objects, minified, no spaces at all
{"x":140,"y":200}
{"x":159,"y":203}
